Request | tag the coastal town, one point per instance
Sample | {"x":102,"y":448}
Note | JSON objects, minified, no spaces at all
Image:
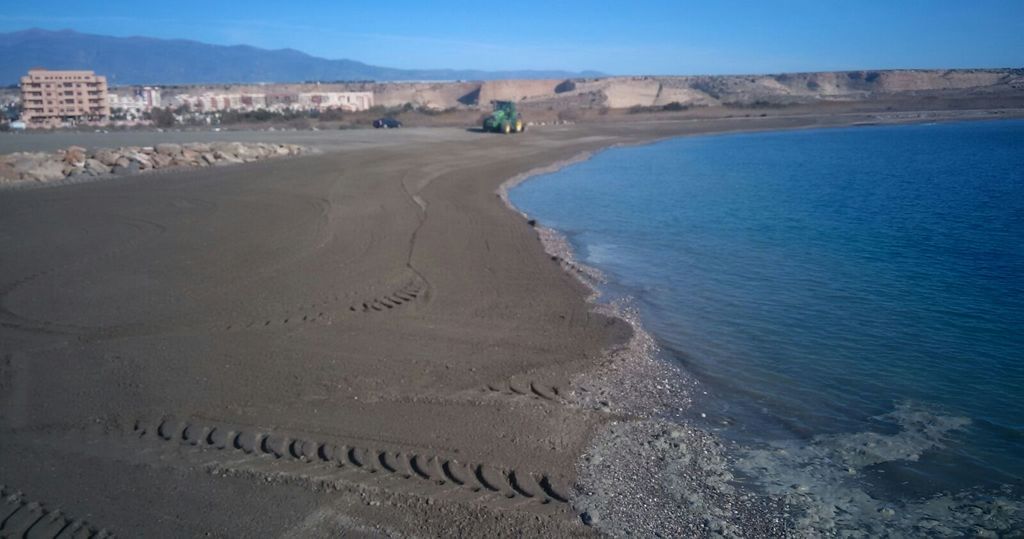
{"x":53,"y":99}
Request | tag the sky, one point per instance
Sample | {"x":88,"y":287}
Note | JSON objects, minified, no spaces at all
{"x":649,"y":37}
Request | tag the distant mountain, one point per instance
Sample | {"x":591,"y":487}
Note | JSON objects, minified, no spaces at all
{"x":144,"y":60}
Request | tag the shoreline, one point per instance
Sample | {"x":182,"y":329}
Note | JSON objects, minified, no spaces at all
{"x":644,"y":431}
{"x":633,"y":383}
{"x":375,"y":298}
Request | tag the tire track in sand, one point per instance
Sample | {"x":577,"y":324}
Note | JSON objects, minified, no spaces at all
{"x":480,"y":478}
{"x":22,"y":518}
{"x":521,"y":386}
{"x":413,"y":290}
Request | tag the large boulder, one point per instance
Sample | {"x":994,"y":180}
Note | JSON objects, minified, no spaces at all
{"x":107,"y":157}
{"x":199,"y":147}
{"x":247,"y":152}
{"x":75,"y":154}
{"x":168,"y":149}
{"x":131,"y":166}
{"x":226,"y":158}
{"x":161,"y":160}
{"x":45,"y":171}
{"x":190,"y":156}
{"x":231,"y":148}
{"x":24,"y":161}
{"x":7,"y":173}
{"x":70,"y":169}
{"x":95,"y":168}
{"x":142,"y":159}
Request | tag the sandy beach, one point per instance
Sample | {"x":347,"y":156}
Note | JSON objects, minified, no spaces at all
{"x":363,"y":342}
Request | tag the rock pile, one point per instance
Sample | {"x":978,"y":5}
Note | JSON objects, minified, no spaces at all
{"x":78,"y":162}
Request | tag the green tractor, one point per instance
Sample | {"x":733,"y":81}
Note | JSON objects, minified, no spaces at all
{"x":505,"y":119}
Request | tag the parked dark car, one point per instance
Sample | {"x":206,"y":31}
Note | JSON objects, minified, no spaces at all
{"x":387,"y":123}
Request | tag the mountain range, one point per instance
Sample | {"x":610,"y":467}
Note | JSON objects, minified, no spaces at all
{"x":146,"y":60}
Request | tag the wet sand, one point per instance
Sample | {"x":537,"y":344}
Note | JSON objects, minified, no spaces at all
{"x":365,"y":341}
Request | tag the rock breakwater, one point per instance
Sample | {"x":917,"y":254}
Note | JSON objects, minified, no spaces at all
{"x":76,"y":161}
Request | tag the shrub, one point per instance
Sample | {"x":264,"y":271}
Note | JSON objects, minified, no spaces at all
{"x":162,"y":117}
{"x":332,"y":115}
{"x":427,"y":111}
{"x":565,"y":86}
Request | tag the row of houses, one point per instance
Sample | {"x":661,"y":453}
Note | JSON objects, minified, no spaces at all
{"x":136,"y":102}
{"x":279,"y":102}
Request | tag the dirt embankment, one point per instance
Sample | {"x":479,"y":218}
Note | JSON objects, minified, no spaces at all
{"x":783,"y":89}
{"x":688,"y":91}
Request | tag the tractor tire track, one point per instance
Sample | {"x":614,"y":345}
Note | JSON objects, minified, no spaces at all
{"x":479,"y":478}
{"x":411,"y":291}
{"x":523,"y":387}
{"x":414,"y":290}
{"x":22,"y":518}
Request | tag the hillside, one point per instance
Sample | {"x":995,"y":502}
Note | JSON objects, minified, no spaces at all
{"x":757,"y":90}
{"x":144,"y":60}
{"x":558,"y":94}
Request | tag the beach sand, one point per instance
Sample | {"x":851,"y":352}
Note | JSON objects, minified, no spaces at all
{"x":366,"y":341}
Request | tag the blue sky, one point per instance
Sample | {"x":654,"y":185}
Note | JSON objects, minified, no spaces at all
{"x":624,"y":37}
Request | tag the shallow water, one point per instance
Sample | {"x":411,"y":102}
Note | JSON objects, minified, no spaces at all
{"x":852,"y":300}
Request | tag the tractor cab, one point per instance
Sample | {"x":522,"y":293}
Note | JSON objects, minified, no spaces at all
{"x":505,"y":106}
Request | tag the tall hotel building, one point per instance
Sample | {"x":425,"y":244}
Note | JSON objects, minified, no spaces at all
{"x":63,"y":98}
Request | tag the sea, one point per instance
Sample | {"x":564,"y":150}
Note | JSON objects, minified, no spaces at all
{"x":850,"y":300}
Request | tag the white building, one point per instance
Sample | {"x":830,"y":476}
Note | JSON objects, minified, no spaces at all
{"x":135,"y":103}
{"x":349,"y":101}
{"x":151,"y":95}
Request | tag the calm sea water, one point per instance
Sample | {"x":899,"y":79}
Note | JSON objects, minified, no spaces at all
{"x":831,"y":289}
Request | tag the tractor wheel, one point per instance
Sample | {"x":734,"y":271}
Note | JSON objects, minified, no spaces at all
{"x":506,"y":127}
{"x":519,"y":126}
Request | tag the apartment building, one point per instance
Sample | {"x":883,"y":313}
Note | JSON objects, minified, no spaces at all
{"x":63,"y":98}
